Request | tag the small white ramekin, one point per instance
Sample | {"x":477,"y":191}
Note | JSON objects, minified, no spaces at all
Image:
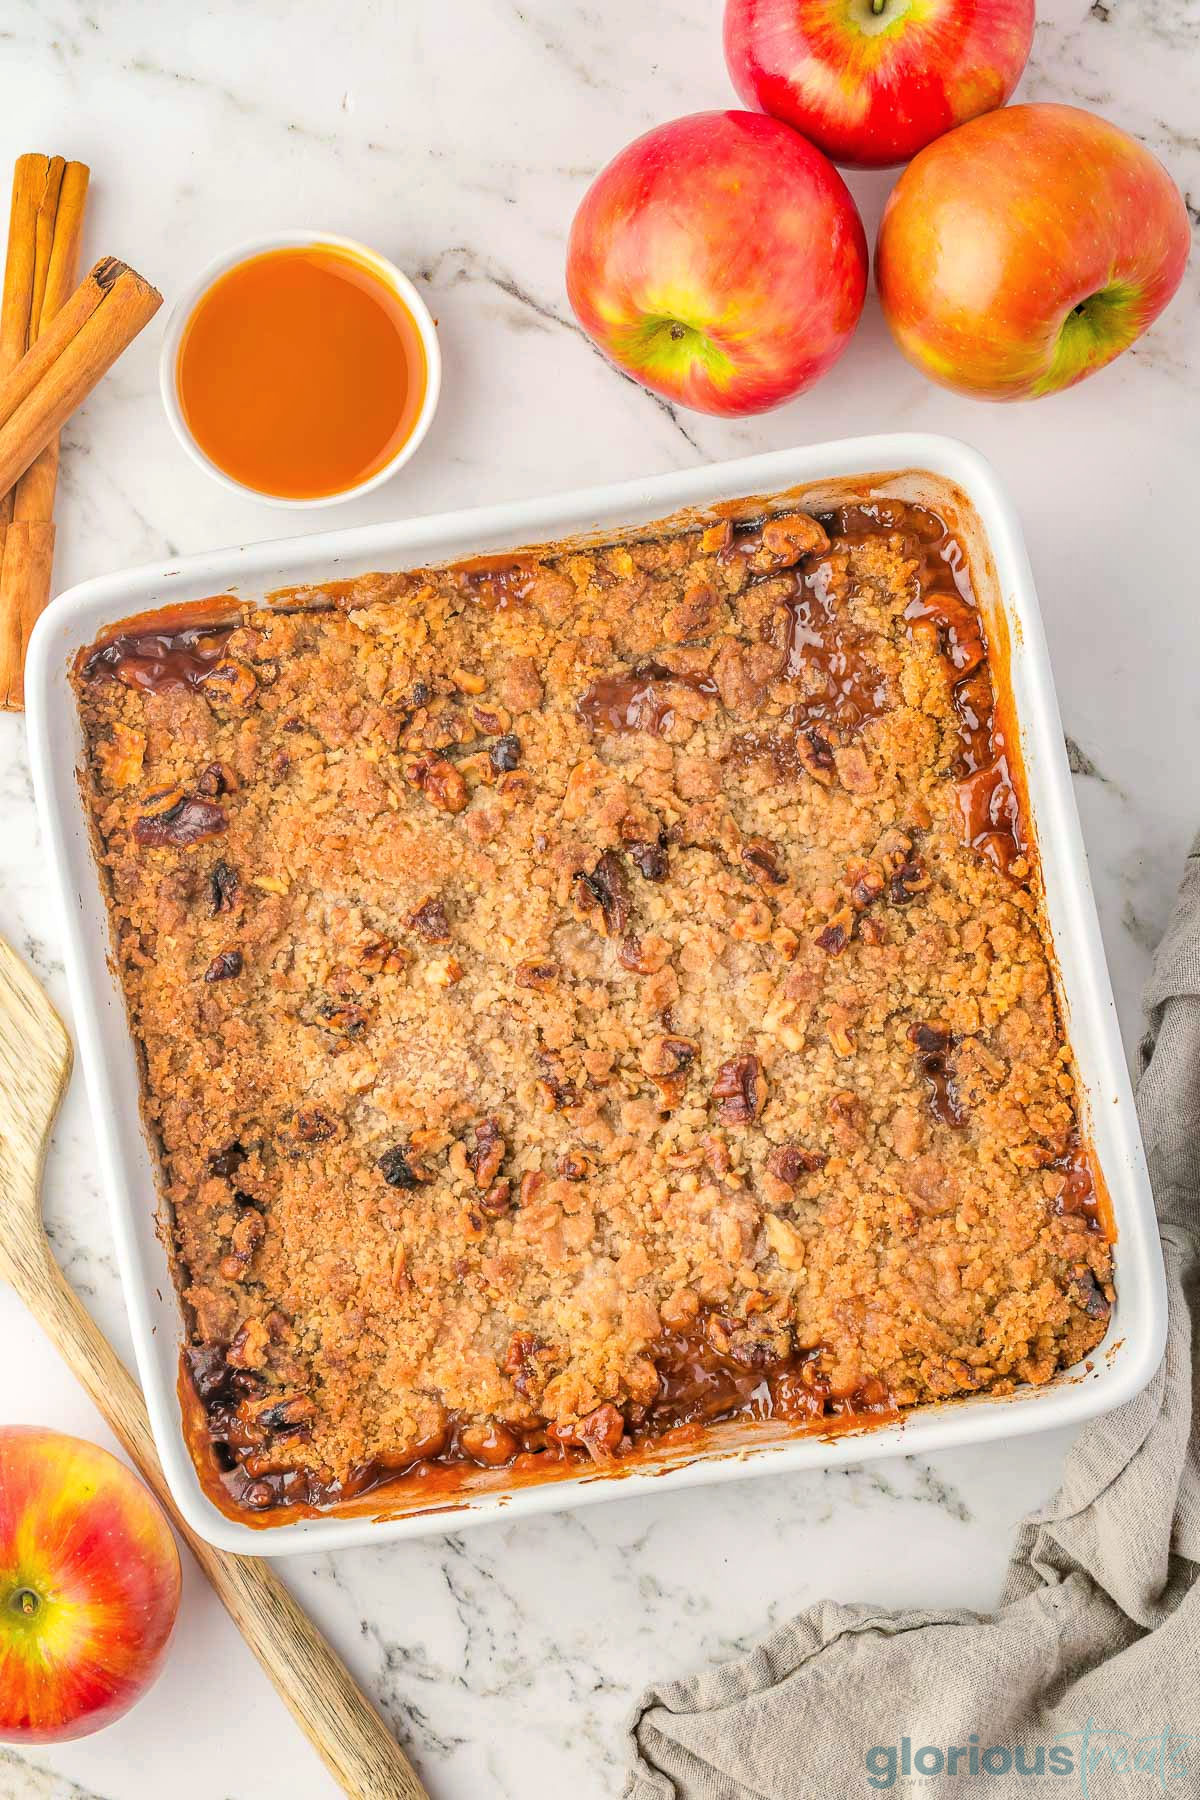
{"x":295,"y":240}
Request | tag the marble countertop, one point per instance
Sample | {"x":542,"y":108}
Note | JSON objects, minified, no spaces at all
{"x":457,"y":138}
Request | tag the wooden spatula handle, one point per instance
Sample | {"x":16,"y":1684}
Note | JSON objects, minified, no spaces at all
{"x":345,"y":1730}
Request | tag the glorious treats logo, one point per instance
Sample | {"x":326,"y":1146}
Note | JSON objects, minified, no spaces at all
{"x":1166,"y":1758}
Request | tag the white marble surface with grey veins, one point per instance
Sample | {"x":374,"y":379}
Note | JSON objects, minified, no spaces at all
{"x":457,"y":136}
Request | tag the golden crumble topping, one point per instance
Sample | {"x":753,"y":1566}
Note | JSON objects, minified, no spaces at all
{"x":591,"y":990}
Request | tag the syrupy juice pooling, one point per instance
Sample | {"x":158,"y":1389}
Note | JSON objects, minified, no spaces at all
{"x":157,"y":659}
{"x":699,"y":1385}
{"x":945,"y":611}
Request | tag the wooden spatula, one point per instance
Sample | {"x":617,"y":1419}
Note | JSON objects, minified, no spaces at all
{"x":347,"y":1732}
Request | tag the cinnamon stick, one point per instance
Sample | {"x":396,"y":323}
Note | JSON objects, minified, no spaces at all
{"x":45,"y":229}
{"x":33,"y":496}
{"x":43,"y":239}
{"x":24,"y":593}
{"x":56,"y":341}
{"x":57,"y":373}
{"x":37,"y":182}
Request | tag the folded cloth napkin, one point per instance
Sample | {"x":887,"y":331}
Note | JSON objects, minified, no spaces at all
{"x":1093,"y":1656}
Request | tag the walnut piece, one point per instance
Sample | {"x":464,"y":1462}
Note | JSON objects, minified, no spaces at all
{"x":741,"y":1089}
{"x":440,"y":782}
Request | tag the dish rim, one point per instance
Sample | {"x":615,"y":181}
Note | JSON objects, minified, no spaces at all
{"x":1133,"y":1346}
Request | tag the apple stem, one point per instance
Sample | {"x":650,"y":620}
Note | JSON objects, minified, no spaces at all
{"x":877,"y":6}
{"x":25,"y":1601}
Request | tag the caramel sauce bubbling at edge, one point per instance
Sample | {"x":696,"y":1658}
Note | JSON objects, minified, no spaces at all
{"x":698,"y":1386}
{"x":840,"y":688}
{"x":159,"y":659}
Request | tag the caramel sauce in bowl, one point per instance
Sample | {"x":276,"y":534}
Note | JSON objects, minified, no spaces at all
{"x":301,"y":369}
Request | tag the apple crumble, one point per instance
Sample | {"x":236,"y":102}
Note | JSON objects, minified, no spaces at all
{"x":587,"y":992}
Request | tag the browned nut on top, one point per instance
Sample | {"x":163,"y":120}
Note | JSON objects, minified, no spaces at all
{"x":488,"y":1154}
{"x":816,"y":754}
{"x":910,"y":878}
{"x":642,"y":959}
{"x":759,"y":855}
{"x":840,"y":1027}
{"x":498,"y":1199}
{"x":248,"y":1346}
{"x":225,"y":966}
{"x":847,"y":1117}
{"x":650,"y":857}
{"x":505,"y":753}
{"x":516,"y":786}
{"x":532,"y":1183}
{"x":400,"y":1168}
{"x":380,"y":956}
{"x":283,"y":1415}
{"x":231,"y":681}
{"x":162,"y":802}
{"x":224,"y":887}
{"x":716,"y":1153}
{"x":696,"y":616}
{"x":666,"y":1060}
{"x":603,"y":896}
{"x":833,"y":937}
{"x":788,"y":1162}
{"x":429,"y":919}
{"x":179,"y":821}
{"x":557,"y":1094}
{"x":312,"y":1126}
{"x":491,"y":719}
{"x":528,"y":1360}
{"x":538,"y":973}
{"x":216,"y":779}
{"x":1087,"y":1293}
{"x":668,"y":1055}
{"x":345,"y":1022}
{"x":754,"y":924}
{"x":741,"y":1090}
{"x":247,"y":1235}
{"x":440,"y":782}
{"x":866,"y":881}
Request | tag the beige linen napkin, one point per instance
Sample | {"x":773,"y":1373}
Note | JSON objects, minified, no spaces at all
{"x":1090,"y":1668}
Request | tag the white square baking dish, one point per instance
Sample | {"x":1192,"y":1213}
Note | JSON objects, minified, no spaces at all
{"x":934,"y":470}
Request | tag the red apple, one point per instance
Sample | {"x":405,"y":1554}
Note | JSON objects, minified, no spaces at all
{"x":89,"y":1586}
{"x":720,"y":261}
{"x":871,"y":82}
{"x":1026,"y":250}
